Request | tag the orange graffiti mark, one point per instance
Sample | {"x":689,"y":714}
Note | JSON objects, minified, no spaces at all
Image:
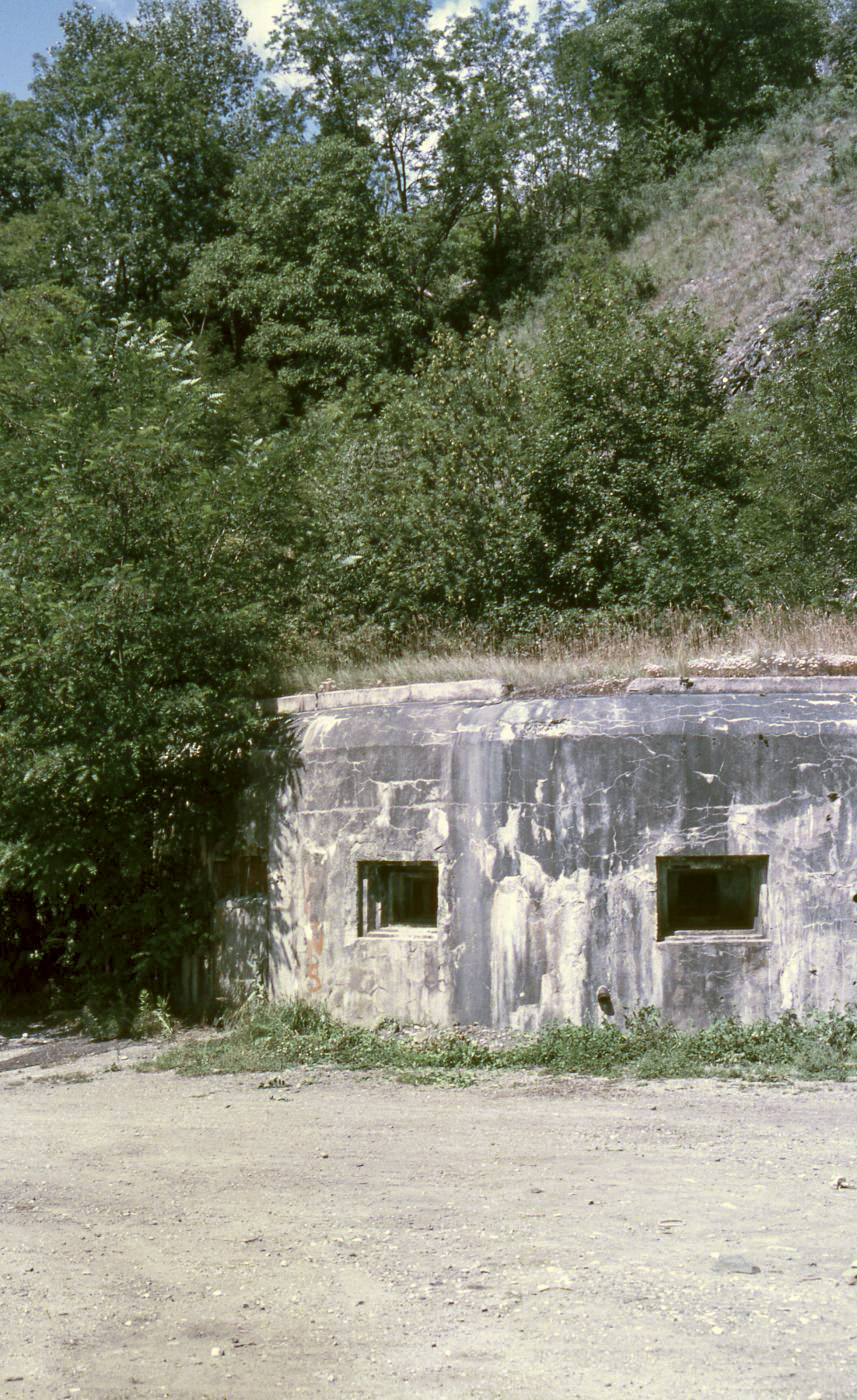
{"x":315,"y":948}
{"x":314,"y":882}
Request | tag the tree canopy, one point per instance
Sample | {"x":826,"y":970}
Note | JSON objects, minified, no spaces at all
{"x":701,"y":67}
{"x":146,"y":122}
{"x":312,"y":281}
{"x":141,"y":553}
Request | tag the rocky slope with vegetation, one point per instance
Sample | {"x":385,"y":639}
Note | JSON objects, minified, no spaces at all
{"x":746,"y":233}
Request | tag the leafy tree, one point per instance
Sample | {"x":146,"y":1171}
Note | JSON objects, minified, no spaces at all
{"x":29,"y":173}
{"x":684,"y":67}
{"x":419,"y":520}
{"x":569,"y":137}
{"x":843,"y":40}
{"x":485,"y":86}
{"x":602,"y":478}
{"x":147,"y":122}
{"x":312,"y":282}
{"x":368,"y":68}
{"x":633,"y":475}
{"x":140,"y":571}
{"x":800,"y":528}
{"x":447,"y":121}
{"x":60,"y":243}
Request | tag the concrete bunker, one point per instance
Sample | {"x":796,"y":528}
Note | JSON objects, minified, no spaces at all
{"x":456,"y":855}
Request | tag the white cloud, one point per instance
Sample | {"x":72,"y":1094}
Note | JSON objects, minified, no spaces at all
{"x":452,"y":9}
{"x":261,"y":15}
{"x":449,"y":9}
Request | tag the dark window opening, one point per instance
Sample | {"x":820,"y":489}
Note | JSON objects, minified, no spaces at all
{"x":396,"y":894}
{"x":709,"y":894}
{"x":241,"y":873}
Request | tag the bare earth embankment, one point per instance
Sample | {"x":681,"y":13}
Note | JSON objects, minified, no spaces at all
{"x":343,"y":1234}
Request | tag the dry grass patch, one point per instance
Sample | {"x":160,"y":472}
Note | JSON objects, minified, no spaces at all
{"x":770,"y":639}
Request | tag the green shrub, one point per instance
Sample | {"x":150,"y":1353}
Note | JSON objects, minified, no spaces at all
{"x":139,"y":573}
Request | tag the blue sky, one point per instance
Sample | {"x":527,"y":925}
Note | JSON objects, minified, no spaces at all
{"x":31,"y":26}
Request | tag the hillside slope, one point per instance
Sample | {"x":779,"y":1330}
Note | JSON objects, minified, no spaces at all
{"x":744,"y":233}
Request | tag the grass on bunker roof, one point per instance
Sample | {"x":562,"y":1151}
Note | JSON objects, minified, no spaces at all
{"x":274,"y":1036}
{"x":677,"y":644}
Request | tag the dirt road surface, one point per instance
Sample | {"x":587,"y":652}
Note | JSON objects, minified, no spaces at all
{"x":349,"y":1235}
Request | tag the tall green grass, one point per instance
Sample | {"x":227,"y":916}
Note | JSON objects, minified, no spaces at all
{"x":279,"y":1035}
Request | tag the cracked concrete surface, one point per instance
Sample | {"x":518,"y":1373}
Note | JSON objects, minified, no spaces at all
{"x":546,"y":819}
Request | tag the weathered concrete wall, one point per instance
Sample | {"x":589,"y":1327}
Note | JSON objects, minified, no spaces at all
{"x":546,"y":820}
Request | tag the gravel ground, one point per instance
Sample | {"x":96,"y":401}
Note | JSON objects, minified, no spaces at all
{"x":324,"y":1233}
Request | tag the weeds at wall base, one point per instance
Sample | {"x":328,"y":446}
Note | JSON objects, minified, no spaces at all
{"x":101,"y":1015}
{"x":149,"y":1016}
{"x":274,"y":1037}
